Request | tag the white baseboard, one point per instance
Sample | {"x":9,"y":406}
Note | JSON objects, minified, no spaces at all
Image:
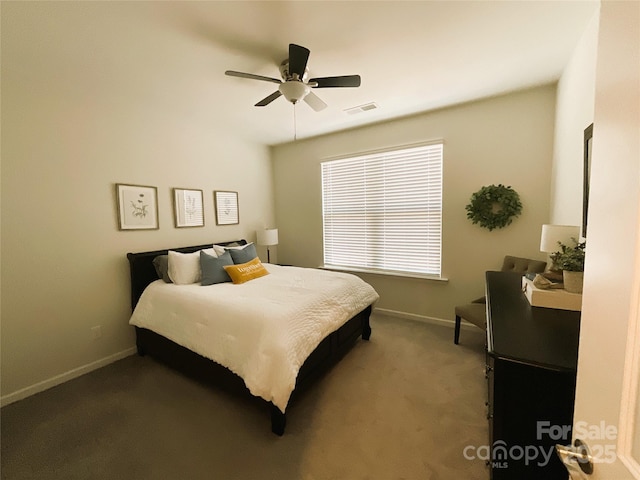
{"x":423,"y":318}
{"x":77,"y":372}
{"x":64,"y":377}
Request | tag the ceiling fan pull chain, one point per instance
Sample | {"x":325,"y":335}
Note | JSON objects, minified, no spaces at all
{"x":295,"y":131}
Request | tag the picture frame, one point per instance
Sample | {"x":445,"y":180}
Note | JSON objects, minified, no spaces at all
{"x":226,"y":205}
{"x":137,"y":207}
{"x":188,"y":207}
{"x":586,"y":176}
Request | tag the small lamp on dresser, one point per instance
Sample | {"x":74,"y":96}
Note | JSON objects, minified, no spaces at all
{"x":268,"y":237}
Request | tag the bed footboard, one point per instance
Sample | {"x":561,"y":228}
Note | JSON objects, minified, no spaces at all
{"x":366,"y":328}
{"x":278,"y":420}
{"x":326,"y":354}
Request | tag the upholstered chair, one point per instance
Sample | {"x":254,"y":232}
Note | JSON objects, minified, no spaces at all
{"x":475,"y":312}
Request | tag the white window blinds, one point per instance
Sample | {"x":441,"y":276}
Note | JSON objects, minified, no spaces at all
{"x":383,"y":211}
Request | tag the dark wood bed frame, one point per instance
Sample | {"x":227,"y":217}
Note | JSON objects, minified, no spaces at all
{"x":328,"y":352}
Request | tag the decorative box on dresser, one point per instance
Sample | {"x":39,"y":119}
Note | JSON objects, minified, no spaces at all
{"x":532,"y":355}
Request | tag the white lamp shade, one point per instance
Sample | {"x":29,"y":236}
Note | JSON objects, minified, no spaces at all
{"x":268,"y":236}
{"x":552,"y":234}
{"x":294,"y":90}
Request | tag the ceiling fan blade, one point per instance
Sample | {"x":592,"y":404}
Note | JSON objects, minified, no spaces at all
{"x":298,"y":57}
{"x":314,"y":102}
{"x":251,"y":76}
{"x":269,"y":99}
{"x":343,"y":81}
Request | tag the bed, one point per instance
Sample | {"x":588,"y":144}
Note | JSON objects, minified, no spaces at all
{"x":241,"y":348}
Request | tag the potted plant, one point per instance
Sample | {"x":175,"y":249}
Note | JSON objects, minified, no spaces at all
{"x":570,"y":259}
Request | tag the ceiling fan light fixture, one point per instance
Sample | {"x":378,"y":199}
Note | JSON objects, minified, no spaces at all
{"x":294,"y":90}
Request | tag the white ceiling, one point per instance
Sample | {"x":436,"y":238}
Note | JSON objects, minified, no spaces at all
{"x":412,"y":56}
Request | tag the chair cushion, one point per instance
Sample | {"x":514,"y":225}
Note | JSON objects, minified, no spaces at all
{"x":522,"y":265}
{"x":473,"y":313}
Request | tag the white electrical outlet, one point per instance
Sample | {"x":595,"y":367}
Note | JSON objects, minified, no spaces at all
{"x":96,"y":332}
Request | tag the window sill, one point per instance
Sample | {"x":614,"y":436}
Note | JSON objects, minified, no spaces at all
{"x":388,"y":273}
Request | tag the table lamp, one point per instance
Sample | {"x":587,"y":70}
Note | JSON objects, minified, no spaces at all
{"x":268,"y":237}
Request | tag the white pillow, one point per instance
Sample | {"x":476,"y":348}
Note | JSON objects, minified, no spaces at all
{"x":184,"y":268}
{"x":210,"y":251}
{"x":220,"y":249}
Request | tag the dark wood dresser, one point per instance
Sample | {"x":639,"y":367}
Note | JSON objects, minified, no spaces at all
{"x":532,"y":355}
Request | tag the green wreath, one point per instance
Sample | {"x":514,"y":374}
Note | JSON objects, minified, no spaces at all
{"x":494,"y":206}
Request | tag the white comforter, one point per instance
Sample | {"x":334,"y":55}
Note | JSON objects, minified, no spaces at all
{"x":262,"y":330}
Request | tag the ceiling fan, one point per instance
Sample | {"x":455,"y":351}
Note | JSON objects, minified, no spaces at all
{"x":294,"y":85}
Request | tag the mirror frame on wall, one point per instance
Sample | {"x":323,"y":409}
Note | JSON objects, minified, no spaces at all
{"x":588,"y":141}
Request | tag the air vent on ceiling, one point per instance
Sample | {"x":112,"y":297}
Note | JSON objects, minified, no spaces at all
{"x":361,"y":108}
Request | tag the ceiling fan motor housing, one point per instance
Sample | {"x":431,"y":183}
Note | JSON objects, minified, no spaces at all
{"x":284,"y":72}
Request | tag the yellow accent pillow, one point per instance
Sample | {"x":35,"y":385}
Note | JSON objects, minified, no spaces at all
{"x":244,"y":272}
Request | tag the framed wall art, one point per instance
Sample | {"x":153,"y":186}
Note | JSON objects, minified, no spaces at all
{"x":137,"y":207}
{"x":226,"y":204}
{"x":188,"y":208}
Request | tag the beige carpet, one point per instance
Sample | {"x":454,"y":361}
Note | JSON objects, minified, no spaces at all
{"x":402,"y":406}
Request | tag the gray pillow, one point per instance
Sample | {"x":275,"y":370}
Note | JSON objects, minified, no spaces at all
{"x":161,"y":264}
{"x":243,"y":255}
{"x":213,"y":268}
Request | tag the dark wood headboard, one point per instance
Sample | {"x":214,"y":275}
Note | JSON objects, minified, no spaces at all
{"x":143,"y":272}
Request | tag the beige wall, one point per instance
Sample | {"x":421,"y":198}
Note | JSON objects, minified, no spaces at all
{"x":507,"y":139}
{"x":574,"y":113}
{"x":84,"y":105}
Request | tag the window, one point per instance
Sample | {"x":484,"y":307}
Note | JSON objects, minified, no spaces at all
{"x":383,"y":211}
